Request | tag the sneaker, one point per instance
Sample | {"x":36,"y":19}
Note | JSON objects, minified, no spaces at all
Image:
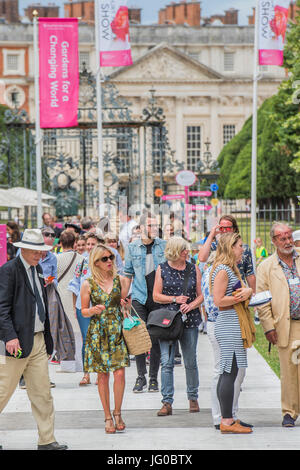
{"x":288,"y":421}
{"x":153,"y":385}
{"x":140,"y":385}
{"x":256,"y":321}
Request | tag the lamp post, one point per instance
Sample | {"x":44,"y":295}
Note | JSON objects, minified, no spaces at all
{"x":207,"y":167}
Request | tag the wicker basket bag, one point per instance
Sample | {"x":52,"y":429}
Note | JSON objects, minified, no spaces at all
{"x":137,"y":339}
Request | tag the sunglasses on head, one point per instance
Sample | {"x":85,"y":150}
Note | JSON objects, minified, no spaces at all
{"x":106,"y":258}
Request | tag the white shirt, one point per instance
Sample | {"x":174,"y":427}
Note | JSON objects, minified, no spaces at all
{"x":126,"y":232}
{"x":38,"y":326}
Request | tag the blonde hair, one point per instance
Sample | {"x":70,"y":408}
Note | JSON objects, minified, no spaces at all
{"x":120,"y":248}
{"x":95,"y":255}
{"x":225,"y":254}
{"x":174,"y":247}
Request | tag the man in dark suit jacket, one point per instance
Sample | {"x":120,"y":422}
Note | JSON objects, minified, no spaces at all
{"x":25,"y":331}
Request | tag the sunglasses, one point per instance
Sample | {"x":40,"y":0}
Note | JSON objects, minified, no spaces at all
{"x":106,"y":258}
{"x":225,"y":229}
{"x":49,"y":235}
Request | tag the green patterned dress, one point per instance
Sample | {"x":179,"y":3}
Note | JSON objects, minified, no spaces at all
{"x":105,"y":348}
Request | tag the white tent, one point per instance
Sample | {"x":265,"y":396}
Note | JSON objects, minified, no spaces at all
{"x":28,"y":194}
{"x":21,"y":197}
{"x":7,"y":201}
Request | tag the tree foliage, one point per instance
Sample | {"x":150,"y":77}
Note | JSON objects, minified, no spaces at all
{"x":278,"y":141}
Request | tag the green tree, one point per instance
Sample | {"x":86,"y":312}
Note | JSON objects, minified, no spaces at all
{"x":278,"y":140}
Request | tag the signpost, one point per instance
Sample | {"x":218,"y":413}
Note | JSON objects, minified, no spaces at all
{"x":186,"y":179}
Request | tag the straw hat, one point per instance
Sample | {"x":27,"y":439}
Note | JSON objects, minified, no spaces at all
{"x":33,"y":240}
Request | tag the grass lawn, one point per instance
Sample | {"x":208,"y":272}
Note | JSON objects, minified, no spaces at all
{"x":262,"y":346}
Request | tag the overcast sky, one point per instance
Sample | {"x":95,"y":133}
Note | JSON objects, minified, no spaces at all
{"x":150,"y":7}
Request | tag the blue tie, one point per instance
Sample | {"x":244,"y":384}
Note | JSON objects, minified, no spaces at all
{"x":40,"y":306}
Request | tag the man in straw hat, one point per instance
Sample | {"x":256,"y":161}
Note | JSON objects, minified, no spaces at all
{"x":25,"y":332}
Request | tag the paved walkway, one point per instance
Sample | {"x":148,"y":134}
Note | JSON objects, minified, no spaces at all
{"x":79,"y":419}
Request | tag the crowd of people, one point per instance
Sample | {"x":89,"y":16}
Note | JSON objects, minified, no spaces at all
{"x":64,"y":294}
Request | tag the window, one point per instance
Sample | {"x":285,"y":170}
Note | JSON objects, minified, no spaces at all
{"x":228,"y":132}
{"x":158,"y":150}
{"x":12,"y":62}
{"x":84,"y":59}
{"x":228,"y":61}
{"x":193,"y":146}
{"x":123,"y":152}
{"x":49,"y":143}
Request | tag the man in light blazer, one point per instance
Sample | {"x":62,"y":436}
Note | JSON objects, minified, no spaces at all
{"x":25,"y":332}
{"x":280,"y":319}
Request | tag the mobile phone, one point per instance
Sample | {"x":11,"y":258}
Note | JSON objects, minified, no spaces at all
{"x":237,"y":286}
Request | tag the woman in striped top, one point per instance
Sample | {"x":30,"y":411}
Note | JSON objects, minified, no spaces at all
{"x":223,"y":277}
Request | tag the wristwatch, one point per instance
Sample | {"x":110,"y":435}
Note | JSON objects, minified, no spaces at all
{"x":174,"y":300}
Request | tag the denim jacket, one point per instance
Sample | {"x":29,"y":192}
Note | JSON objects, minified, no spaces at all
{"x":135,"y":265}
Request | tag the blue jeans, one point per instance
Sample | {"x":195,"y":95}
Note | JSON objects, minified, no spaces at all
{"x":188,"y":345}
{"x":83,"y":325}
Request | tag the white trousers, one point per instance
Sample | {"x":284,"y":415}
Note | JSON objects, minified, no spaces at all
{"x":215,"y":406}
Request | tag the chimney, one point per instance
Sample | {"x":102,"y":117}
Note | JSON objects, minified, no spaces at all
{"x":184,"y":12}
{"x":231,"y":16}
{"x":135,"y":15}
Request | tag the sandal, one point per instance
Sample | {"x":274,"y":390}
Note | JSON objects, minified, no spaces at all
{"x":109,"y":429}
{"x":119,"y":423}
{"x":85,"y":380}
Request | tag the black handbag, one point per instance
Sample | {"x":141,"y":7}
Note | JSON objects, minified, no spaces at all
{"x":166,"y":324}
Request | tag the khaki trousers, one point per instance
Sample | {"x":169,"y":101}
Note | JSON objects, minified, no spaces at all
{"x":289,"y":358}
{"x":34,"y":368}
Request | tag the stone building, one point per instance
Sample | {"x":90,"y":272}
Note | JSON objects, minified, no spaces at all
{"x":202,"y":78}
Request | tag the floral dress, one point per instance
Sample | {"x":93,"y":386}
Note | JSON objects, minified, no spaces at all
{"x":105,"y":348}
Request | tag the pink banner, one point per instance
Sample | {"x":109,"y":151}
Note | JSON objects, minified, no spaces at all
{"x":113,"y":19}
{"x":272,"y":24}
{"x":59,"y":72}
{"x":3,"y":245}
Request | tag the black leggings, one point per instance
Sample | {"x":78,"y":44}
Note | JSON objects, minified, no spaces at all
{"x":225,"y":389}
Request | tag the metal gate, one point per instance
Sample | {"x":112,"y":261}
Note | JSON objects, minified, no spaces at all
{"x":136,"y":154}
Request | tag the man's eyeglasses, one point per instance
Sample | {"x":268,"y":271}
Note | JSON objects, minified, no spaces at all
{"x":225,"y":229}
{"x":284,"y":239}
{"x":106,"y":258}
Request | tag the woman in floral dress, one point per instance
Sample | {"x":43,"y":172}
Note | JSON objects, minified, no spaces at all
{"x":105,"y":348}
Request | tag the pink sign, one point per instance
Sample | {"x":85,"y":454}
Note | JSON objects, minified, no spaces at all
{"x":200,"y":207}
{"x":172,"y":197}
{"x":3,"y":245}
{"x":273,"y":20}
{"x":200,"y":193}
{"x":59,"y":72}
{"x":115,"y":50}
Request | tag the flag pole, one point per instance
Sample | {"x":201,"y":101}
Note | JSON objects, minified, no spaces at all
{"x":38,"y":131}
{"x":254,"y":136}
{"x":99,"y":111}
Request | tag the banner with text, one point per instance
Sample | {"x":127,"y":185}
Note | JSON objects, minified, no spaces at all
{"x":59,"y":72}
{"x":115,"y":50}
{"x":273,"y":19}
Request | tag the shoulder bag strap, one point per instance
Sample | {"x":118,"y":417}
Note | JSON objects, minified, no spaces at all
{"x":186,"y":278}
{"x":68,"y":268}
